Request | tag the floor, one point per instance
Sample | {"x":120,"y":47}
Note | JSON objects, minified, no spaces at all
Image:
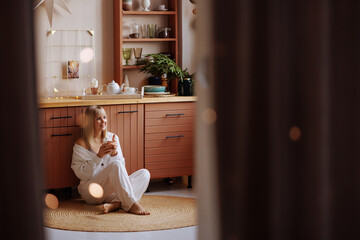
{"x":156,"y":188}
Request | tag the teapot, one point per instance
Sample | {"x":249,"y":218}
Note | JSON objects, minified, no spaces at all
{"x":114,"y":88}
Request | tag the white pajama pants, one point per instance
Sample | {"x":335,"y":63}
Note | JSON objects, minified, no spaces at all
{"x":118,"y":186}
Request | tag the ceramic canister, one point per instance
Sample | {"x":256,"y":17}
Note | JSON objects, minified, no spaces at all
{"x":127,"y":5}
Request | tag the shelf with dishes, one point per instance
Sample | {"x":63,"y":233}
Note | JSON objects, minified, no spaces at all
{"x":153,"y":31}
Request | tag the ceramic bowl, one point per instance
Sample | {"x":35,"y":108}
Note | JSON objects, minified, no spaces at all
{"x":154,"y":88}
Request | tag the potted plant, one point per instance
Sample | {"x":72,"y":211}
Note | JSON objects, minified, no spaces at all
{"x":161,"y":66}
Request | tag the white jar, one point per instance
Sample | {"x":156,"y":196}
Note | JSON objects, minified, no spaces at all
{"x":146,"y":4}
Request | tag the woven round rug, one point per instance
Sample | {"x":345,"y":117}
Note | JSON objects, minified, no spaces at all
{"x":167,"y":212}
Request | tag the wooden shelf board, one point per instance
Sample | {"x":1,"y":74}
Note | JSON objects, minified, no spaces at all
{"x":148,"y":13}
{"x":149,"y":39}
{"x":132,"y":67}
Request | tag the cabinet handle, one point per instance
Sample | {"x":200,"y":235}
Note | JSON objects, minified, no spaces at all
{"x":128,"y":112}
{"x":60,"y":135}
{"x":177,"y":136}
{"x":61,"y":117}
{"x":174,"y":114}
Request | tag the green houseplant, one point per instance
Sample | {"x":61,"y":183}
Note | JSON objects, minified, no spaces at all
{"x":159,"y":64}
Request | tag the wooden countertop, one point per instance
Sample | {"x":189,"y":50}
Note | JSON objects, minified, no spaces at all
{"x":74,"y":102}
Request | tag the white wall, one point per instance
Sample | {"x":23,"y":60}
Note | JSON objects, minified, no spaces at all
{"x":187,"y":35}
{"x":97,"y":15}
{"x":86,"y":14}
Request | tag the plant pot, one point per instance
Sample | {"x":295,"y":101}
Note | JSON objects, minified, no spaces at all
{"x":185,"y":87}
{"x":174,"y":85}
{"x":154,"y":80}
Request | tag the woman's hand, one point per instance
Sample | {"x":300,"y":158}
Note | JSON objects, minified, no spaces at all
{"x":113,"y":142}
{"x":106,"y":148}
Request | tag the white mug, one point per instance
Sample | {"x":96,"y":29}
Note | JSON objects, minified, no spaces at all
{"x":130,"y":90}
{"x":162,"y":7}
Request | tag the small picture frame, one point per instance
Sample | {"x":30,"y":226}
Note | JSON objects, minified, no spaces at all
{"x":73,"y":69}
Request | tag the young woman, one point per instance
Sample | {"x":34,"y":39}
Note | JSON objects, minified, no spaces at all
{"x":97,"y":158}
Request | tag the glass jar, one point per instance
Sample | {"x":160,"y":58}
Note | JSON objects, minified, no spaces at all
{"x":152,"y":30}
{"x":134,"y":31}
{"x":185,"y":87}
{"x":164,"y":32}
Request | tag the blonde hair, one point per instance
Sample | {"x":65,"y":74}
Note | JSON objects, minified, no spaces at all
{"x":91,"y":113}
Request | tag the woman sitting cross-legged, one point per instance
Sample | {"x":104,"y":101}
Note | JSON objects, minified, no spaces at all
{"x":97,"y":158}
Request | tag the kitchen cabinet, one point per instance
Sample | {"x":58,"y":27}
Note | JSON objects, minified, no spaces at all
{"x":60,"y":127}
{"x":169,"y":139}
{"x":57,"y":144}
{"x":168,"y":18}
{"x":155,"y":136}
{"x":127,"y":121}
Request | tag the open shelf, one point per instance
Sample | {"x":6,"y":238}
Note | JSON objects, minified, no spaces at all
{"x":148,"y":13}
{"x":132,"y":67}
{"x":149,"y":45}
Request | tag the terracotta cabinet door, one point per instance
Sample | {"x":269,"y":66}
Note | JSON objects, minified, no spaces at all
{"x":57,"y":144}
{"x":127,"y":121}
{"x":169,"y":134}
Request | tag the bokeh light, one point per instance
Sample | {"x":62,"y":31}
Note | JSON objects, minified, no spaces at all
{"x":51,"y":201}
{"x":86,"y":55}
{"x":295,"y":133}
{"x":209,"y":116}
{"x":96,"y":190}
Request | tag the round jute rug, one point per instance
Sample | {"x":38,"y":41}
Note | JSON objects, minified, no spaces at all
{"x":167,"y":212}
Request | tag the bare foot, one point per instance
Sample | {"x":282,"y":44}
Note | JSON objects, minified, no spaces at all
{"x":109,"y":207}
{"x":138,"y":210}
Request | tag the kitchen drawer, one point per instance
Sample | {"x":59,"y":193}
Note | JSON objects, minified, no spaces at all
{"x":170,"y":114}
{"x":169,"y":157}
{"x":169,"y":135}
{"x":169,"y":139}
{"x":169,"y":165}
{"x":166,"y":106}
{"x":173,"y":142}
{"x":61,"y":117}
{"x":168,"y":150}
{"x":169,"y":128}
{"x":169,"y":121}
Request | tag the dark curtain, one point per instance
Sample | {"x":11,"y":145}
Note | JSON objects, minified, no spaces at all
{"x":21,"y":167}
{"x":283,"y":64}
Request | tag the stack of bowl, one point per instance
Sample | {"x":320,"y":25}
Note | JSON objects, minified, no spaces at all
{"x":155,"y":90}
